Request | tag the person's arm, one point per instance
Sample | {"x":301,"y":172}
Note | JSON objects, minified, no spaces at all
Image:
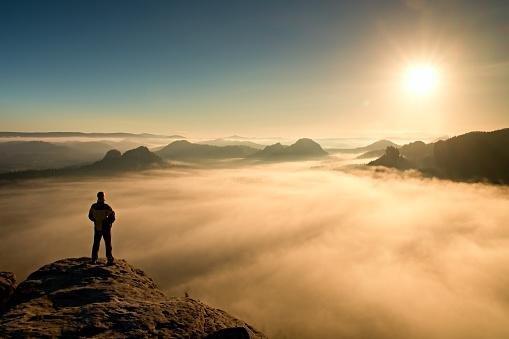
{"x":112,"y":217}
{"x":91,"y":214}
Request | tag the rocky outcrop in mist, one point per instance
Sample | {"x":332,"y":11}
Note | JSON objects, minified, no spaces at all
{"x":392,"y":158}
{"x":474,"y":156}
{"x":74,"y":298}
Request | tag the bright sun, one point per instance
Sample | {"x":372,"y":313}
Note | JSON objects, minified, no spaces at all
{"x":421,"y":79}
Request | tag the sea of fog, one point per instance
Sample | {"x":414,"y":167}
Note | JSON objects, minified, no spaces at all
{"x":300,"y":250}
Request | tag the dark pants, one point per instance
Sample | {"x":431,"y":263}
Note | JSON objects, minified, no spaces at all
{"x":106,"y":234}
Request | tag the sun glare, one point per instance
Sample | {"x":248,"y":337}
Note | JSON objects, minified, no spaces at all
{"x":421,"y":79}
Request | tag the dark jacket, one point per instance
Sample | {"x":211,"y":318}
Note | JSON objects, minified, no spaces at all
{"x":102,"y":215}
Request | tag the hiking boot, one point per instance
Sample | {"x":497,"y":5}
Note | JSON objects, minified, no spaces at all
{"x":93,"y":261}
{"x":110,"y":262}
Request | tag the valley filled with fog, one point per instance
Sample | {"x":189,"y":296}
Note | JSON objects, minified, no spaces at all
{"x":300,"y":249}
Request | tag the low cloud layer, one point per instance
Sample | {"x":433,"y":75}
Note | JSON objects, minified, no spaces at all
{"x":298,"y":252}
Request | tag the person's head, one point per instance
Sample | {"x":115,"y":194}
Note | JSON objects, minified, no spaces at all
{"x":100,"y":196}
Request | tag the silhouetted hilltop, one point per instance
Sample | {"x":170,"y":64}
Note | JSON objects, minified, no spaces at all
{"x":442,"y":137}
{"x":271,"y":150}
{"x":185,"y":150}
{"x":305,"y":146}
{"x":419,"y":154}
{"x":302,"y":149}
{"x":73,"y":298}
{"x":379,"y":146}
{"x":113,"y":162}
{"x":134,"y":159}
{"x":392,"y":158}
{"x":474,"y":156}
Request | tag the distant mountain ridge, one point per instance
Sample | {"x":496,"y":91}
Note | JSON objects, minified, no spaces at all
{"x":85,"y":135}
{"x":232,"y":142}
{"x":140,"y":157}
{"x":373,"y":147}
{"x":113,"y":162}
{"x":25,"y":155}
{"x":185,"y":150}
{"x":304,"y":148}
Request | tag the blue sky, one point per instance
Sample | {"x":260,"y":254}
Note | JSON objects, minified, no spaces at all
{"x":213,"y":67}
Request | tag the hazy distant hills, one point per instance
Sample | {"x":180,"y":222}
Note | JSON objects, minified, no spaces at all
{"x":85,"y":135}
{"x":372,"y":154}
{"x":372,"y":148}
{"x":36,"y":155}
{"x":231,"y":142}
{"x":113,"y":162}
{"x":302,"y":149}
{"x":92,"y":148}
{"x":474,"y":156}
{"x":24,"y":155}
{"x":141,"y":158}
{"x":185,"y":150}
{"x":40,"y":158}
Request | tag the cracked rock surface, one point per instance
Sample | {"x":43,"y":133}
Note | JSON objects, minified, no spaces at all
{"x":74,"y":298}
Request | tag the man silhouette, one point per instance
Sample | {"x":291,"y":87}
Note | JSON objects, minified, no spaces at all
{"x":103,"y":217}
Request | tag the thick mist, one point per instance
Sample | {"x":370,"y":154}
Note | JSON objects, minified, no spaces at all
{"x":298,"y":252}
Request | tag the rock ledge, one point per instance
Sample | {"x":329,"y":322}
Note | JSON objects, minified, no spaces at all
{"x":73,"y":298}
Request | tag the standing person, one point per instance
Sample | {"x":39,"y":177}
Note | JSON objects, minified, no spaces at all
{"x":103,"y":217}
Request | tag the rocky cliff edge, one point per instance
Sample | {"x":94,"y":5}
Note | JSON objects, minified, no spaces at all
{"x":74,"y":298}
